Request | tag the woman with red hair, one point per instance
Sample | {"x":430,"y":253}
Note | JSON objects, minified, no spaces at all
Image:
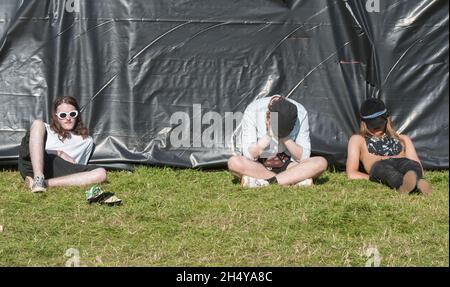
{"x":57,"y":154}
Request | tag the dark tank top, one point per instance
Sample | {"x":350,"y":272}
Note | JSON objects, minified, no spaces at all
{"x":384,"y":146}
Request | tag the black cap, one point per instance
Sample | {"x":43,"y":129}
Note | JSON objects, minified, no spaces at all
{"x":374,"y":113}
{"x":287,"y":116}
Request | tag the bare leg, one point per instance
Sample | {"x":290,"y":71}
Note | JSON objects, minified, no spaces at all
{"x":308,"y":168}
{"x":37,"y":145}
{"x":77,"y":179}
{"x":240,"y":165}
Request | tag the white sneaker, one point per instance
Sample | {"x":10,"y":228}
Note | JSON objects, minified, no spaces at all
{"x":247,"y":181}
{"x":37,"y":184}
{"x":306,"y":182}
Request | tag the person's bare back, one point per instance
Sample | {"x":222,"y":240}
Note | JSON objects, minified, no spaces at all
{"x":368,"y":159}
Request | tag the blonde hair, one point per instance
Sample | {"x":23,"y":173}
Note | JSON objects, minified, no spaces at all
{"x":390,"y":130}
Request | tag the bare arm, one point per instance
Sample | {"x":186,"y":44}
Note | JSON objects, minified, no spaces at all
{"x":257,"y":149}
{"x":353,"y":154}
{"x":294,"y":149}
{"x":410,"y":151}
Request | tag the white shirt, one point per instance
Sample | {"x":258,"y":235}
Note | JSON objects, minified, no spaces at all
{"x":254,"y":128}
{"x":76,"y":147}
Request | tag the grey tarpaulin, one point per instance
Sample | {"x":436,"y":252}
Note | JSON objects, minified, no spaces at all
{"x":134,"y":64}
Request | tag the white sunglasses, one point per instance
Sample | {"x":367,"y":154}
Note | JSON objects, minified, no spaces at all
{"x":71,"y":114}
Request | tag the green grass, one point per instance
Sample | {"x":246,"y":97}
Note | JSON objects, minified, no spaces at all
{"x":186,"y":217}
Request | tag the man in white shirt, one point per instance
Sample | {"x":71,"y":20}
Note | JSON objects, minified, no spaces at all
{"x":275,"y":145}
{"x":57,"y":154}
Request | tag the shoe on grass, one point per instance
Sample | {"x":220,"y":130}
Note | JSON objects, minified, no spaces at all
{"x":247,"y":181}
{"x":36,"y":185}
{"x":306,"y":182}
{"x":96,"y":195}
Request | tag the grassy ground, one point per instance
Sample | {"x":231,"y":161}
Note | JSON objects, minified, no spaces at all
{"x":193,"y":218}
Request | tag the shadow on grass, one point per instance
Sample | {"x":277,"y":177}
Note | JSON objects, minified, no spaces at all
{"x":236,"y":180}
{"x":322,"y":180}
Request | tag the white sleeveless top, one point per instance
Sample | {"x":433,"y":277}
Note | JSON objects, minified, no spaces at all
{"x":78,"y":148}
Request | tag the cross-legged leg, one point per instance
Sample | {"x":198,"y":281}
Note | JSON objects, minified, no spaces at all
{"x":78,"y":179}
{"x":240,"y":165}
{"x":297,"y":172}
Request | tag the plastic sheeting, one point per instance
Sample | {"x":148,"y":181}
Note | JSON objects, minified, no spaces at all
{"x":135,"y":65}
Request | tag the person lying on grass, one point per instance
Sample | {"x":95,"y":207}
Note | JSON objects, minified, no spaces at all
{"x":57,"y":154}
{"x":387,"y":157}
{"x":275,"y":145}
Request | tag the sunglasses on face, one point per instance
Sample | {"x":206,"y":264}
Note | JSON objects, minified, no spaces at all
{"x":63,"y":115}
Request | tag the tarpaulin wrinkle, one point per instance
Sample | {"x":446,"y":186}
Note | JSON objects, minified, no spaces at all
{"x":113,"y":57}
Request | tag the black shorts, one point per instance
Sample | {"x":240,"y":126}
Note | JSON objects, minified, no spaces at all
{"x":391,"y":171}
{"x":54,"y":166}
